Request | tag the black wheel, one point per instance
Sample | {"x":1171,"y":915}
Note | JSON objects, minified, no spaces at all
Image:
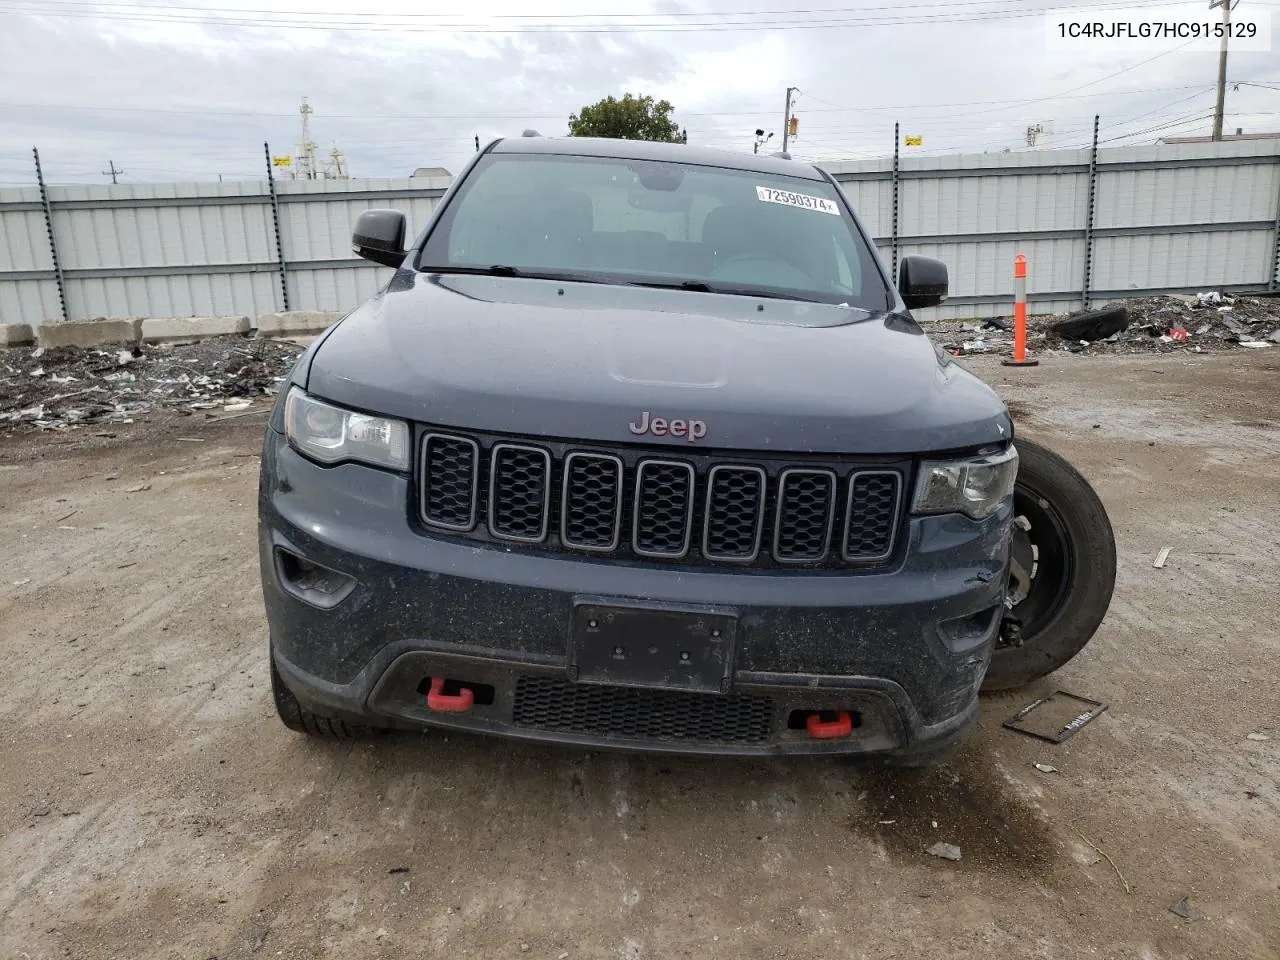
{"x":1063,"y":569}
{"x":297,"y":717}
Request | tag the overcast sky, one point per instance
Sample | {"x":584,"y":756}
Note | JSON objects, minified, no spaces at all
{"x":191,"y":90}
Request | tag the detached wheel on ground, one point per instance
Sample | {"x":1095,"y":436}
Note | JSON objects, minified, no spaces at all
{"x":296,"y":717}
{"x":1063,"y":568}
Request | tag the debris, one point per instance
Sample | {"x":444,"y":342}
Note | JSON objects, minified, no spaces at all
{"x":1182,"y":909}
{"x":564,"y":955}
{"x":975,"y":346}
{"x":995,"y":323}
{"x":131,"y":563}
{"x":140,"y":488}
{"x":1090,"y":325}
{"x":1046,"y":768}
{"x":944,"y":851}
{"x":1152,"y":322}
{"x":232,"y":407}
{"x":77,"y":386}
{"x":67,"y":517}
{"x":395,"y":870}
{"x":1127,"y":888}
{"x":41,"y":811}
{"x":1161,"y":557}
{"x":887,"y":823}
{"x":190,"y":439}
{"x":1258,"y":737}
{"x":524,"y":948}
{"x":22,"y":583}
{"x":1177,"y":333}
{"x":1254,"y":343}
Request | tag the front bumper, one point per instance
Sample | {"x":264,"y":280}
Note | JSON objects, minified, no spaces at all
{"x":902,"y":651}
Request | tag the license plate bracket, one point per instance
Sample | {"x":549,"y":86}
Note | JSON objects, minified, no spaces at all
{"x":690,"y":649}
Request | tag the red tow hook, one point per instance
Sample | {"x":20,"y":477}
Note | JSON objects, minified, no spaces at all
{"x":441,"y":702}
{"x":821,"y":729}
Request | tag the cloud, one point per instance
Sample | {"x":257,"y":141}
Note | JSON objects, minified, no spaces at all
{"x":191,"y":100}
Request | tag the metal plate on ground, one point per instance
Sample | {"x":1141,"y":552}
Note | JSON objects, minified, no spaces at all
{"x":1062,"y":716}
{"x":666,"y":648}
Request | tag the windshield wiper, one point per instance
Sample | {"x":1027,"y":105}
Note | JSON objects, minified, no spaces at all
{"x":702,"y":286}
{"x":503,"y":270}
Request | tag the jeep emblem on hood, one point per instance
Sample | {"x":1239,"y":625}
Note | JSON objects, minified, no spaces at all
{"x":690,"y":430}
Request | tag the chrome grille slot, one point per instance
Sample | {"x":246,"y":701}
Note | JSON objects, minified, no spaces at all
{"x":871,"y":515}
{"x":450,"y":468}
{"x":806,"y":502}
{"x":734,"y":513}
{"x":663,"y":515}
{"x":591,"y":501}
{"x":519,"y":492}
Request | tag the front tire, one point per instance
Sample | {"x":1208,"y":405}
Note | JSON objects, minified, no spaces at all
{"x":301,"y":720}
{"x":1073,"y":573}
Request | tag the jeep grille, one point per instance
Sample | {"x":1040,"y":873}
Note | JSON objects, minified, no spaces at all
{"x":654,"y":505}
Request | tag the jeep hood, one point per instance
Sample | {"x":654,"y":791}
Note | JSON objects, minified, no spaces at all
{"x":582,"y":361}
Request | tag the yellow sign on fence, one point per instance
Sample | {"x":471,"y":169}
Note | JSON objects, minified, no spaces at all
{"x":915,"y":141}
{"x":281,"y":161}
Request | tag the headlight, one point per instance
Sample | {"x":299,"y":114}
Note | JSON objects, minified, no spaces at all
{"x":975,"y":487}
{"x":330,"y":434}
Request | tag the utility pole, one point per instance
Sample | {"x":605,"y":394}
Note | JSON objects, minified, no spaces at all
{"x":786,"y":119}
{"x":112,"y":172}
{"x":1222,"y":65}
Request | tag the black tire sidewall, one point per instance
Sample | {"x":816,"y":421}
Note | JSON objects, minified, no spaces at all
{"x":1091,"y":576}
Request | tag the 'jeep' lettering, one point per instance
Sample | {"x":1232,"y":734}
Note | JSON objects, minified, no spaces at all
{"x":691,"y":431}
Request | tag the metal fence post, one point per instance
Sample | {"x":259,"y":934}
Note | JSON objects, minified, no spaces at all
{"x":275,"y":220}
{"x":895,"y":203}
{"x":1088,"y":221}
{"x":1273,"y":282}
{"x":53,"y":243}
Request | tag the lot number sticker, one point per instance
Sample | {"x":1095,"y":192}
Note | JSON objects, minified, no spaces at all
{"x":801,"y":200}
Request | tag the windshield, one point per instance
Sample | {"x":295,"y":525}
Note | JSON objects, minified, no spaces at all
{"x":663,"y":223}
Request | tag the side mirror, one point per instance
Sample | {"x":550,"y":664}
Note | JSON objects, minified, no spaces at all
{"x":379,"y":236}
{"x":922,"y":281}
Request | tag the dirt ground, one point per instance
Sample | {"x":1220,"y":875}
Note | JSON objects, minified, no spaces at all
{"x":151,"y":806}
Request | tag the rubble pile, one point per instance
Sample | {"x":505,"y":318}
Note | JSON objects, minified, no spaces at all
{"x":63,"y":387}
{"x":1198,"y":323}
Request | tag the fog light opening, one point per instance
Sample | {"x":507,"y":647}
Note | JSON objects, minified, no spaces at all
{"x":311,"y":582}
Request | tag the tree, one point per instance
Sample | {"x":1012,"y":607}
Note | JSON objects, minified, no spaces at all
{"x":631,"y":118}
